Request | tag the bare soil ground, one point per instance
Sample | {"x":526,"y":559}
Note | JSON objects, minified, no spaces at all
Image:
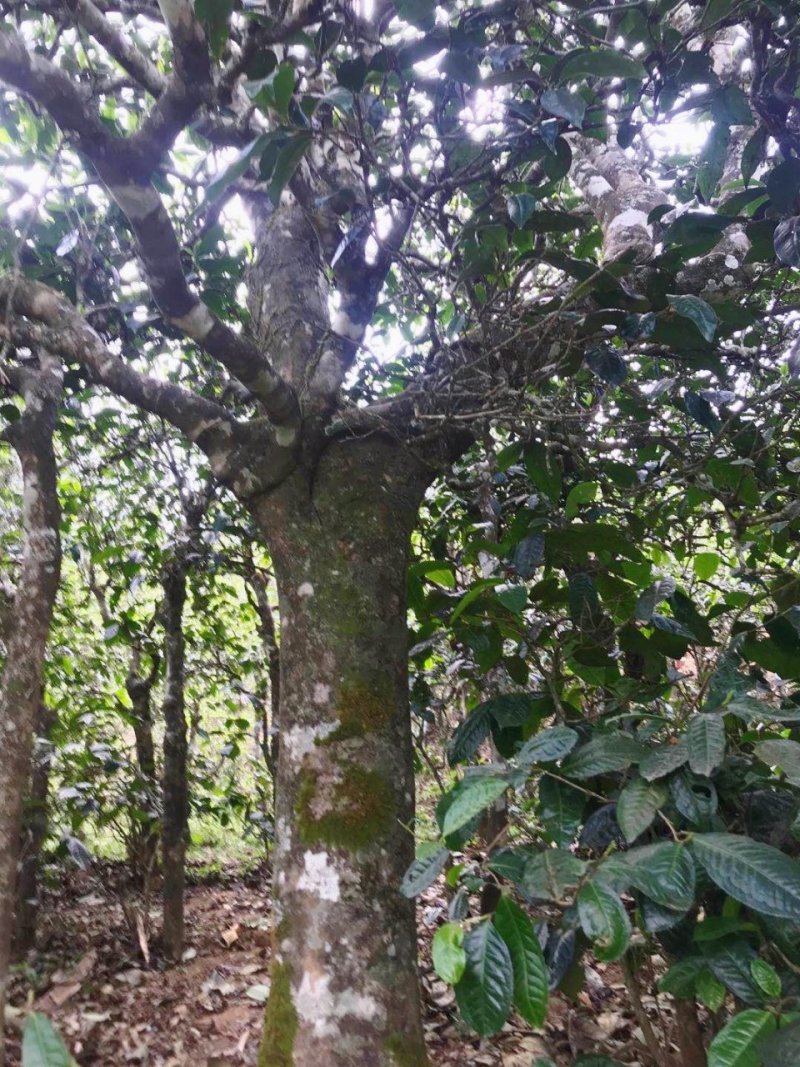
{"x":114,"y":1006}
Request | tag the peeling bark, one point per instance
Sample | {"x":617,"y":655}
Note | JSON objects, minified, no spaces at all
{"x":344,"y":984}
{"x":21,"y":683}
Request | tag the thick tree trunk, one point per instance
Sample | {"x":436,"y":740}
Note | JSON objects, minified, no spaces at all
{"x":175,"y":792}
{"x":344,"y":979}
{"x":21,"y":682}
{"x":34,"y":832}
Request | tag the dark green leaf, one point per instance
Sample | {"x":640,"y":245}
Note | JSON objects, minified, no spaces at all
{"x":697,"y":311}
{"x":473,"y":797}
{"x":705,"y":741}
{"x":600,"y":63}
{"x":546,"y":746}
{"x":604,"y":920}
{"x":423,"y":872}
{"x":560,"y":809}
{"x":530,"y":971}
{"x":664,"y":872}
{"x":787,"y":241}
{"x":755,"y":874}
{"x":637,"y":806}
{"x":736,"y":1045}
{"x":565,"y":105}
{"x":549,"y":875}
{"x":663,"y":760}
{"x":701,"y":411}
{"x":469,"y":735}
{"x":606,"y":752}
{"x":486,"y":992}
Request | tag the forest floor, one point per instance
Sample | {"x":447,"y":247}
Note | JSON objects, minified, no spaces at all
{"x":91,"y":976}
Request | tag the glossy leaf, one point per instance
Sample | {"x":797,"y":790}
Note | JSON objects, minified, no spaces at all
{"x":604,"y":921}
{"x":736,"y":1045}
{"x":530,"y":970}
{"x":755,"y":874}
{"x":486,"y":991}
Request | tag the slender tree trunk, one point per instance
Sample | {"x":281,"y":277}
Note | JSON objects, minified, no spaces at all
{"x":175,"y":793}
{"x":143,"y":842}
{"x":34,"y":832}
{"x":269,"y":641}
{"x":21,"y":682}
{"x":344,"y":978}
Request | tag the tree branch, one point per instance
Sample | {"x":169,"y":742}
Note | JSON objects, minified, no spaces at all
{"x":125,"y":168}
{"x":118,"y":46}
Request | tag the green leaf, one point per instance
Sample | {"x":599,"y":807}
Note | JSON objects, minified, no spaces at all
{"x":712,"y":163}
{"x":424,"y":871}
{"x":664,"y":872}
{"x":729,"y":959}
{"x":486,"y":992}
{"x":755,"y":874}
{"x":565,"y":105}
{"x":531,"y":976}
{"x":520,"y":208}
{"x":710,"y":991}
{"x":513,"y":597}
{"x":287,"y":163}
{"x":637,"y":806}
{"x":754,"y":153}
{"x":528,"y":555}
{"x":649,"y":600}
{"x":352,"y":74}
{"x":583,"y":493}
{"x":215,"y":16}
{"x":783,"y":183}
{"x":787,"y":241}
{"x":473,"y":797}
{"x":236,"y":169}
{"x":604,"y":920}
{"x":551,"y":744}
{"x":447,"y":950}
{"x":560,"y":809}
{"x":602,"y":63}
{"x":705,"y":741}
{"x":469,"y":735}
{"x":549,"y":875}
{"x":701,"y":411}
{"x":41,"y":1045}
{"x":782,"y":1049}
{"x":783,"y":754}
{"x":663,"y":760}
{"x":766,"y":977}
{"x":697,"y":311}
{"x":705,"y":565}
{"x":607,"y":752}
{"x":736,"y":1045}
{"x":681,"y":979}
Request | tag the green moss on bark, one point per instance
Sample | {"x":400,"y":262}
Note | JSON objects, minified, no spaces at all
{"x":352,"y":813}
{"x":405,"y":1051}
{"x":361,"y":707}
{"x":280,"y":1022}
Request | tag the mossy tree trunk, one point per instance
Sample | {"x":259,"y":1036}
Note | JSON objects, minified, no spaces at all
{"x":344,"y":985}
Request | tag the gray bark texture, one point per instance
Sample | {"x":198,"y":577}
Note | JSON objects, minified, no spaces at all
{"x":21,"y":683}
{"x":344,"y":984}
